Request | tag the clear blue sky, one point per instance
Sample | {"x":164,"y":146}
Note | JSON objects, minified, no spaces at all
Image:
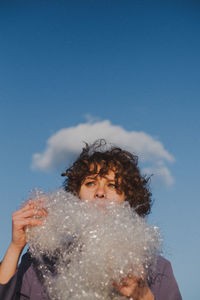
{"x":134,"y":63}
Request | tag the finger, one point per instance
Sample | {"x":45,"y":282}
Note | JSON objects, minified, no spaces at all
{"x":26,"y":208}
{"x":34,"y":203}
{"x":28,"y":221}
{"x":30,"y":213}
{"x":127,"y":291}
{"x":34,"y":222}
{"x":37,"y":202}
{"x":35,"y":212}
{"x":127,"y":285}
{"x":23,"y":209}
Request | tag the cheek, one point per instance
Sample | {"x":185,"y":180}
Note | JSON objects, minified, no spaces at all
{"x":121,"y":197}
{"x":85,"y":194}
{"x":81,"y":193}
{"x":114,"y":196}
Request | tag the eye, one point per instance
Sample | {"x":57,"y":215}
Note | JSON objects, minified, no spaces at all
{"x":90,"y":183}
{"x":112,"y":185}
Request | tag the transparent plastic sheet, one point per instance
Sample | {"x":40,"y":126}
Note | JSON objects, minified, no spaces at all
{"x":89,"y":245}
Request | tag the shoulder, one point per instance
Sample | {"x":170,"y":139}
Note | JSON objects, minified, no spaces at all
{"x":163,"y":265}
{"x":17,"y":285}
{"x":163,"y":283}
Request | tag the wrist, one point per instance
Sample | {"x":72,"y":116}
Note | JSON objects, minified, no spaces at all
{"x":15,"y":248}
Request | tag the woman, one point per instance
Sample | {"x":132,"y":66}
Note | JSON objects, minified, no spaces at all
{"x":98,"y":173}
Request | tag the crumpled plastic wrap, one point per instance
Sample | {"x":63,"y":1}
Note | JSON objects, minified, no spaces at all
{"x":83,"y":247}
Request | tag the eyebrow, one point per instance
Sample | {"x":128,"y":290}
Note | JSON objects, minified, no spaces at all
{"x":95,"y":176}
{"x":111,"y":180}
{"x":90,"y":177}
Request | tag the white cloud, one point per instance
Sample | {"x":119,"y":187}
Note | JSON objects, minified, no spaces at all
{"x":65,"y":145}
{"x":160,"y":173}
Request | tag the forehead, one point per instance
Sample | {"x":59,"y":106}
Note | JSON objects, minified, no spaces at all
{"x":100,"y":170}
{"x":110,"y":175}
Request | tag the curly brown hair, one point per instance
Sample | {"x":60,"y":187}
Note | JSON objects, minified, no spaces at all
{"x":125,"y":166}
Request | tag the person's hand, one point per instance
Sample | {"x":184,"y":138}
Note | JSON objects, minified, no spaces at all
{"x":29,"y":215}
{"x":135,"y":288}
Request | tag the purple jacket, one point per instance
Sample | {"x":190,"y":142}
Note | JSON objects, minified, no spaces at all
{"x":26,"y":283}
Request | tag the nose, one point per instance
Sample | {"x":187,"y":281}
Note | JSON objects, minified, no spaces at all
{"x":100,"y":191}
